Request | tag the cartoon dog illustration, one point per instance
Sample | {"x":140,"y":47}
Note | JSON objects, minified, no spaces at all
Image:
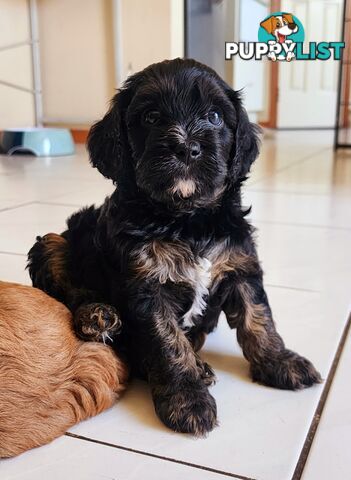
{"x":280,"y":26}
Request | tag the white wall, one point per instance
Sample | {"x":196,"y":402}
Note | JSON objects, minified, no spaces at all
{"x":76,"y":59}
{"x":77,"y":54}
{"x":251,"y":76}
{"x":16,"y":107}
{"x":151,"y":31}
{"x":77,"y":50}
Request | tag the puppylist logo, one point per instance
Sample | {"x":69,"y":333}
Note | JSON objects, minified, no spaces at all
{"x":280,"y":37}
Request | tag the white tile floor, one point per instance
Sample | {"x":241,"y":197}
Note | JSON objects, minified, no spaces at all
{"x":301,"y":197}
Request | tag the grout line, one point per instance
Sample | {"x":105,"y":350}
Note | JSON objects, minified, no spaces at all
{"x":304,"y":159}
{"x":61,"y":204}
{"x":304,"y":129}
{"x":295,"y":192}
{"x":13,"y":253}
{"x":13,"y":207}
{"x":160,"y":457}
{"x":282,"y":169}
{"x":286,"y":287}
{"x":295,"y":224}
{"x":321,"y":404}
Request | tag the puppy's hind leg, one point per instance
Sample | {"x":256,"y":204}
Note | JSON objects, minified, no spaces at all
{"x":49,"y":264}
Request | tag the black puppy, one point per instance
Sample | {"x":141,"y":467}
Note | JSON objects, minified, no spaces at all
{"x":171,"y":248}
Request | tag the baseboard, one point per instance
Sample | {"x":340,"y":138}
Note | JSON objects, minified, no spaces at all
{"x":79,"y":135}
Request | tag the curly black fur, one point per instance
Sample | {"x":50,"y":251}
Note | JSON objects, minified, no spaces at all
{"x":171,"y":248}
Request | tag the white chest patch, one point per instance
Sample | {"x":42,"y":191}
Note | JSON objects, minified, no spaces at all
{"x":202,"y":283}
{"x":185,"y":188}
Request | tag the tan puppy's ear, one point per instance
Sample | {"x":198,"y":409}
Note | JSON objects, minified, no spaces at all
{"x":268,"y":24}
{"x":288,"y":17}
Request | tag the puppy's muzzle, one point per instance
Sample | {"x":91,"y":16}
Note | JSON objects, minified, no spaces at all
{"x":188,"y":151}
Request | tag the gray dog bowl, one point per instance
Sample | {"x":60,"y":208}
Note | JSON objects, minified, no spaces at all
{"x":42,"y":142}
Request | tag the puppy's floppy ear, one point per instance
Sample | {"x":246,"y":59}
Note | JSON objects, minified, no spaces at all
{"x":107,"y":140}
{"x":246,"y":142}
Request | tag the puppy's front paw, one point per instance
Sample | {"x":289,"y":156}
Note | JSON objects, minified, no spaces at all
{"x":97,"y":322}
{"x":189,"y":409}
{"x":288,"y":371}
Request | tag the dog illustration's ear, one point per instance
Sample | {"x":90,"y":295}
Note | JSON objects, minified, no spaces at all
{"x":107,"y":140}
{"x":246,"y":142}
{"x":288,"y":17}
{"x":269,"y":24}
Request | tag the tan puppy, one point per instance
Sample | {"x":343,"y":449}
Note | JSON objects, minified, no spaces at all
{"x":49,"y":379}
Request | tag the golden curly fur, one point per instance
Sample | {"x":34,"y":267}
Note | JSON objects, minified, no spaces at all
{"x":49,"y":379}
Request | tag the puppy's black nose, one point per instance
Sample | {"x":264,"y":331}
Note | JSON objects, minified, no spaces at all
{"x":194,"y":149}
{"x":292,"y":26}
{"x":180,"y":150}
{"x":187,"y":151}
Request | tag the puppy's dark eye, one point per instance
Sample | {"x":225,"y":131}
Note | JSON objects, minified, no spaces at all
{"x":152,"y":117}
{"x":214,"y":117}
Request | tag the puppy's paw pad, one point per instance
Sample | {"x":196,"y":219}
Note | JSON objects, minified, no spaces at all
{"x":290,"y":372}
{"x":97,"y":322}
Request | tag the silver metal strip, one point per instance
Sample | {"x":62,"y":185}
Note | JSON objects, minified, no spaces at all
{"x":117,"y":42}
{"x":34,"y":30}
